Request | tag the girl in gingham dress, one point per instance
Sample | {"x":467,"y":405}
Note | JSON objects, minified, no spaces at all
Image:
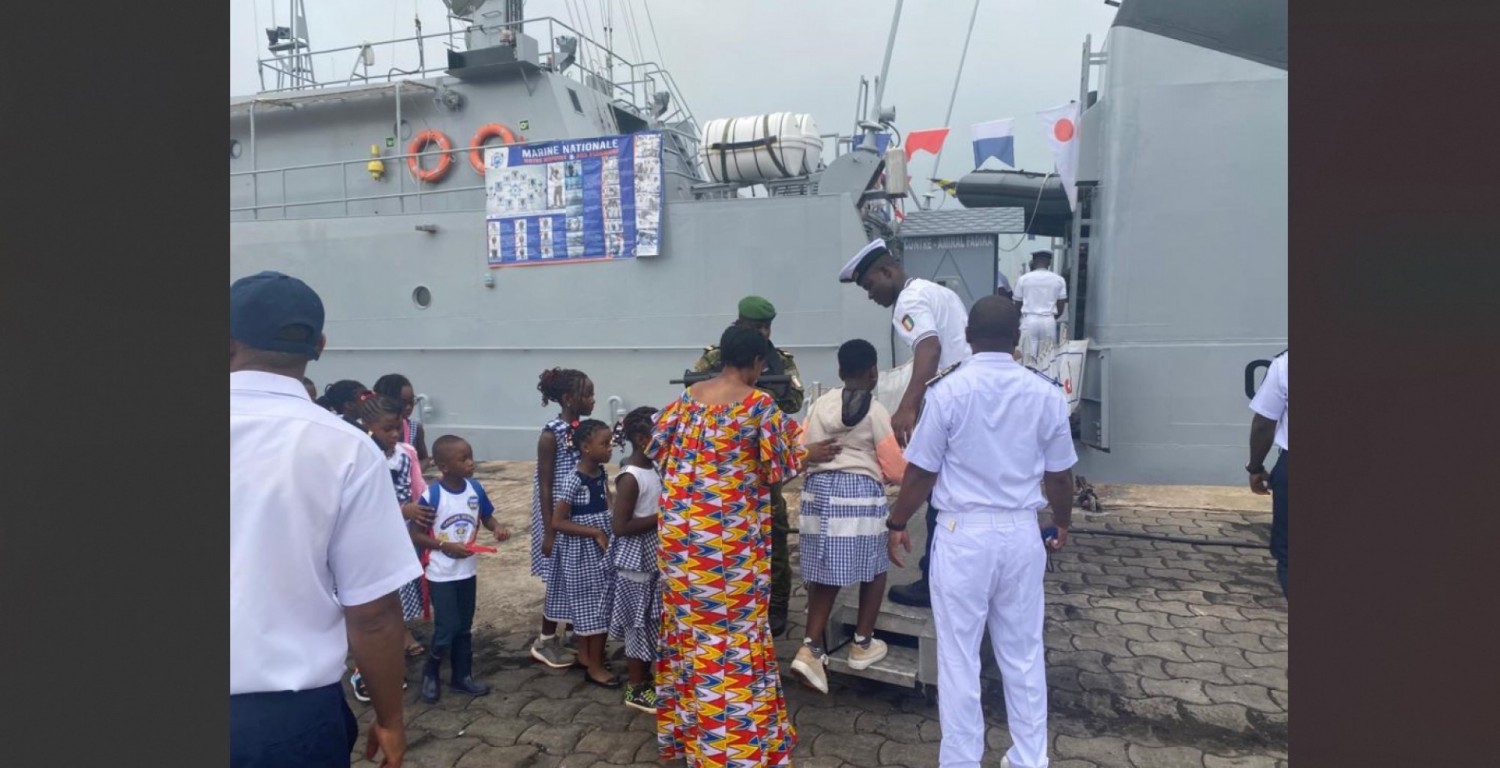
{"x":843,"y":534}
{"x":556,"y":460}
{"x":580,"y":573}
{"x":380,"y":417}
{"x":633,"y":599}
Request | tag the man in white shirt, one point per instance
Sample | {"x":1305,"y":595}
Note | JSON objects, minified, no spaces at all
{"x":1042,"y":295}
{"x":317,"y":548}
{"x":930,"y":318}
{"x":1269,"y":425}
{"x":992,"y":438}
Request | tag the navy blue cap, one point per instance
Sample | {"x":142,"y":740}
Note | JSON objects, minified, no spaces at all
{"x":266,"y":308}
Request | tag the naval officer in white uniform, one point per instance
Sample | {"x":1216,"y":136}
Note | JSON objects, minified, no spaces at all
{"x":993,"y":436}
{"x":317,"y":549}
{"x":1268,"y":426}
{"x":930,"y":318}
{"x":1042,"y":295}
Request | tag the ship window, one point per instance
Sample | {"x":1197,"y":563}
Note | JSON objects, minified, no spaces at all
{"x":234,"y":148}
{"x":421,"y":297}
{"x":577,"y":105}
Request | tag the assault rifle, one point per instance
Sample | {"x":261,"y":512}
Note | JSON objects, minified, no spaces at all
{"x":776,"y":385}
{"x":766,"y":381}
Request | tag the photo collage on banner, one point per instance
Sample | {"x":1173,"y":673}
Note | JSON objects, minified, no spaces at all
{"x":576,"y":200}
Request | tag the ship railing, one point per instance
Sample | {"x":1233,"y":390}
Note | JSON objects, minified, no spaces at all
{"x":594,"y":65}
{"x":394,"y":165}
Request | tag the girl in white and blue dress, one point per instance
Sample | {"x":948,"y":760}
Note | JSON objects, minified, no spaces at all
{"x":633,"y":600}
{"x":843,"y":535}
{"x":580,"y":573}
{"x":556,"y":460}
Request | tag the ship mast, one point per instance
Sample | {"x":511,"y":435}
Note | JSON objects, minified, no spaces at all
{"x":877,"y":116}
{"x":291,"y":46}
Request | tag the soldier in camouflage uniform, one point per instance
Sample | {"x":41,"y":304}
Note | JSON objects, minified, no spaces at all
{"x":757,"y":313}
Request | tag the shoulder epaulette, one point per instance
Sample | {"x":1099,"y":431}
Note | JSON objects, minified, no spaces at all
{"x":943,"y":372}
{"x":1049,"y":379}
{"x":710,"y":348}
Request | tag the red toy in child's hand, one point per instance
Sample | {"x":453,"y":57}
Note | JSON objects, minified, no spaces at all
{"x":480,"y":548}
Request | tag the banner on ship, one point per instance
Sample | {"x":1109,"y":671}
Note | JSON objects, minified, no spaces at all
{"x":575,"y":200}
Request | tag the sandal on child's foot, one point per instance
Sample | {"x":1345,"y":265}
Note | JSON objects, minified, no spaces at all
{"x":613,"y":681}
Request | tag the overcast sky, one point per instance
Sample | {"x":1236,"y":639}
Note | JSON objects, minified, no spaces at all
{"x":746,"y":57}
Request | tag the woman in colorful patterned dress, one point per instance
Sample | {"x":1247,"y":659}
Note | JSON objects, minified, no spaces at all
{"x":720,"y":446}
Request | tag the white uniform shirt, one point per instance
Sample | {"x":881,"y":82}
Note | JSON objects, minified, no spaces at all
{"x":1271,"y":399}
{"x":311,"y":510}
{"x":990,"y":430}
{"x":925,"y":309}
{"x":1039,"y":291}
{"x":456,"y":522}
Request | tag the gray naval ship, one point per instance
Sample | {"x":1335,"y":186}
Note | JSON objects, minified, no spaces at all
{"x":1176,"y":256}
{"x":322,"y":186}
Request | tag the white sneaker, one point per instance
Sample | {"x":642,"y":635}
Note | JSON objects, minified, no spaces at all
{"x":861,"y":657}
{"x":809,"y":667}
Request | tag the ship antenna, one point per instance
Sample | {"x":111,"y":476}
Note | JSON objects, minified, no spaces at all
{"x":962,"y":57}
{"x":607,"y":13}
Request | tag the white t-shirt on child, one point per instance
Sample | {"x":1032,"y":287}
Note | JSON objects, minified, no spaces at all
{"x":457,"y":521}
{"x":649,"y":501}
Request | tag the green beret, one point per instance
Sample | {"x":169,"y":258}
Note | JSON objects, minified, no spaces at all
{"x":757,"y":308}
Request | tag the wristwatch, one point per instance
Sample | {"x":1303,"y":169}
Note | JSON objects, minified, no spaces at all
{"x":1255,"y":469}
{"x":893,"y":526}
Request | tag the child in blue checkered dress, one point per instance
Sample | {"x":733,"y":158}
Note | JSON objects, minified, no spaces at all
{"x":842,"y":535}
{"x":380,"y":418}
{"x":556,"y":460}
{"x":633,"y":600}
{"x":580,"y":573}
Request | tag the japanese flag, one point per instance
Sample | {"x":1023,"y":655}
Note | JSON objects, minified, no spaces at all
{"x":1060,"y":124}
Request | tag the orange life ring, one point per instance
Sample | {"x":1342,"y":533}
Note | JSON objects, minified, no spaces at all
{"x":485,"y":133}
{"x":420,"y":142}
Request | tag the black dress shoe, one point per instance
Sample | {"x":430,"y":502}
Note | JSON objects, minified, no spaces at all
{"x":915,"y":594}
{"x":431,"y":691}
{"x":470,"y":686}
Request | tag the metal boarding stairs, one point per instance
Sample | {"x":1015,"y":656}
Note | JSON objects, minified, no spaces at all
{"x":909,"y":632}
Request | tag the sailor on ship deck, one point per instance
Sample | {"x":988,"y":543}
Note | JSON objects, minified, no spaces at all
{"x":1042,"y":295}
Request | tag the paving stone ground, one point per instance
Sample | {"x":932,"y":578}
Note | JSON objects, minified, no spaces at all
{"x":1159,"y":655}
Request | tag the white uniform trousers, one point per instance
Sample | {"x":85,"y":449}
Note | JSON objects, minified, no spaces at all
{"x":987,"y":569}
{"x":1038,"y":337}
